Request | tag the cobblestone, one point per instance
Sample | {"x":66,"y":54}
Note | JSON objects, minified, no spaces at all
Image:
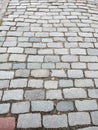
{"x":79,"y":118}
{"x":4,"y":108}
{"x":44,"y":106}
{"x":94,"y":116}
{"x":86,"y":105}
{"x":29,"y":121}
{"x":20,"y":107}
{"x":55,"y":121}
{"x":49,"y":64}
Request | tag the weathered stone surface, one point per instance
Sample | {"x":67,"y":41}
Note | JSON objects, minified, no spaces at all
{"x":29,"y":120}
{"x":55,"y":121}
{"x":65,"y":106}
{"x":78,"y":118}
{"x":20,"y":107}
{"x":44,"y":106}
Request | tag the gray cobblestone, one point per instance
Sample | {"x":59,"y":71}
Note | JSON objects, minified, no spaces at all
{"x":65,"y":106}
{"x":3,"y":57}
{"x":49,"y":63}
{"x":22,"y":73}
{"x":54,"y":94}
{"x":4,"y":84}
{"x":13,"y":95}
{"x":94,"y":116}
{"x":51,"y":84}
{"x":84,"y":83}
{"x":44,"y":106}
{"x":17,"y":57}
{"x":78,"y":118}
{"x":29,"y":120}
{"x":40,"y":73}
{"x":20,"y":107}
{"x":58,"y":73}
{"x":55,"y":121}
{"x":4,"y":108}
{"x":5,"y":66}
{"x":93,"y":93}
{"x":71,"y":93}
{"x":65,"y":83}
{"x":6,"y":74}
{"x":86,"y":105}
{"x":75,"y":73}
{"x":34,"y":83}
{"x":35,"y":58}
{"x":34,"y":94}
{"x":18,"y":83}
{"x":52,"y":59}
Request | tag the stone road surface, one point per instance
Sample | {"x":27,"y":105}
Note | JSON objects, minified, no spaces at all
{"x":49,"y":65}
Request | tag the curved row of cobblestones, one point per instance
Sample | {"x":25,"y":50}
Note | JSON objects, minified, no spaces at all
{"x":49,"y":65}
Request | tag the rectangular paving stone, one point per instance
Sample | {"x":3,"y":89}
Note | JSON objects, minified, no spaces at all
{"x":4,"y":84}
{"x":69,"y":58}
{"x":10,"y":43}
{"x":58,"y":73}
{"x":33,"y":65}
{"x":93,"y":93}
{"x":29,"y":120}
{"x":52,"y":59}
{"x":17,"y":57}
{"x":86,"y":105}
{"x":54,"y":94}
{"x":20,"y":107}
{"x":30,"y":51}
{"x":7,"y":123}
{"x":71,"y":93}
{"x":88,"y":59}
{"x":35,"y":83}
{"x":65,"y":83}
{"x":4,"y":108}
{"x":48,"y":65}
{"x":51,"y":84}
{"x":78,"y":65}
{"x":92,"y":52}
{"x":79,"y":118}
{"x":84,"y":83}
{"x":40,"y":73}
{"x":93,"y":66}
{"x":55,"y":121}
{"x":65,"y":106}
{"x":61,"y":65}
{"x":22,"y":73}
{"x":5,"y":66}
{"x":19,"y":65}
{"x":34,"y":94}
{"x":94,"y":116}
{"x":15,"y":50}
{"x":13,"y":95}
{"x":4,"y":57}
{"x":42,"y":106}
{"x":78,"y":51}
{"x":18,"y":83}
{"x":36,"y":58}
{"x":91,"y":74}
{"x":6,"y":74}
{"x":75,"y":73}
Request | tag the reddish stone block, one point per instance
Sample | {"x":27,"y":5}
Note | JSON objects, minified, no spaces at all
{"x":7,"y":123}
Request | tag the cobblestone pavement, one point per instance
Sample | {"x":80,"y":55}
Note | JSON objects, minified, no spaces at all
{"x":49,"y":65}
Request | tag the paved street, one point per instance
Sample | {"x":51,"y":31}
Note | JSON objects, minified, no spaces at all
{"x":49,"y":65}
